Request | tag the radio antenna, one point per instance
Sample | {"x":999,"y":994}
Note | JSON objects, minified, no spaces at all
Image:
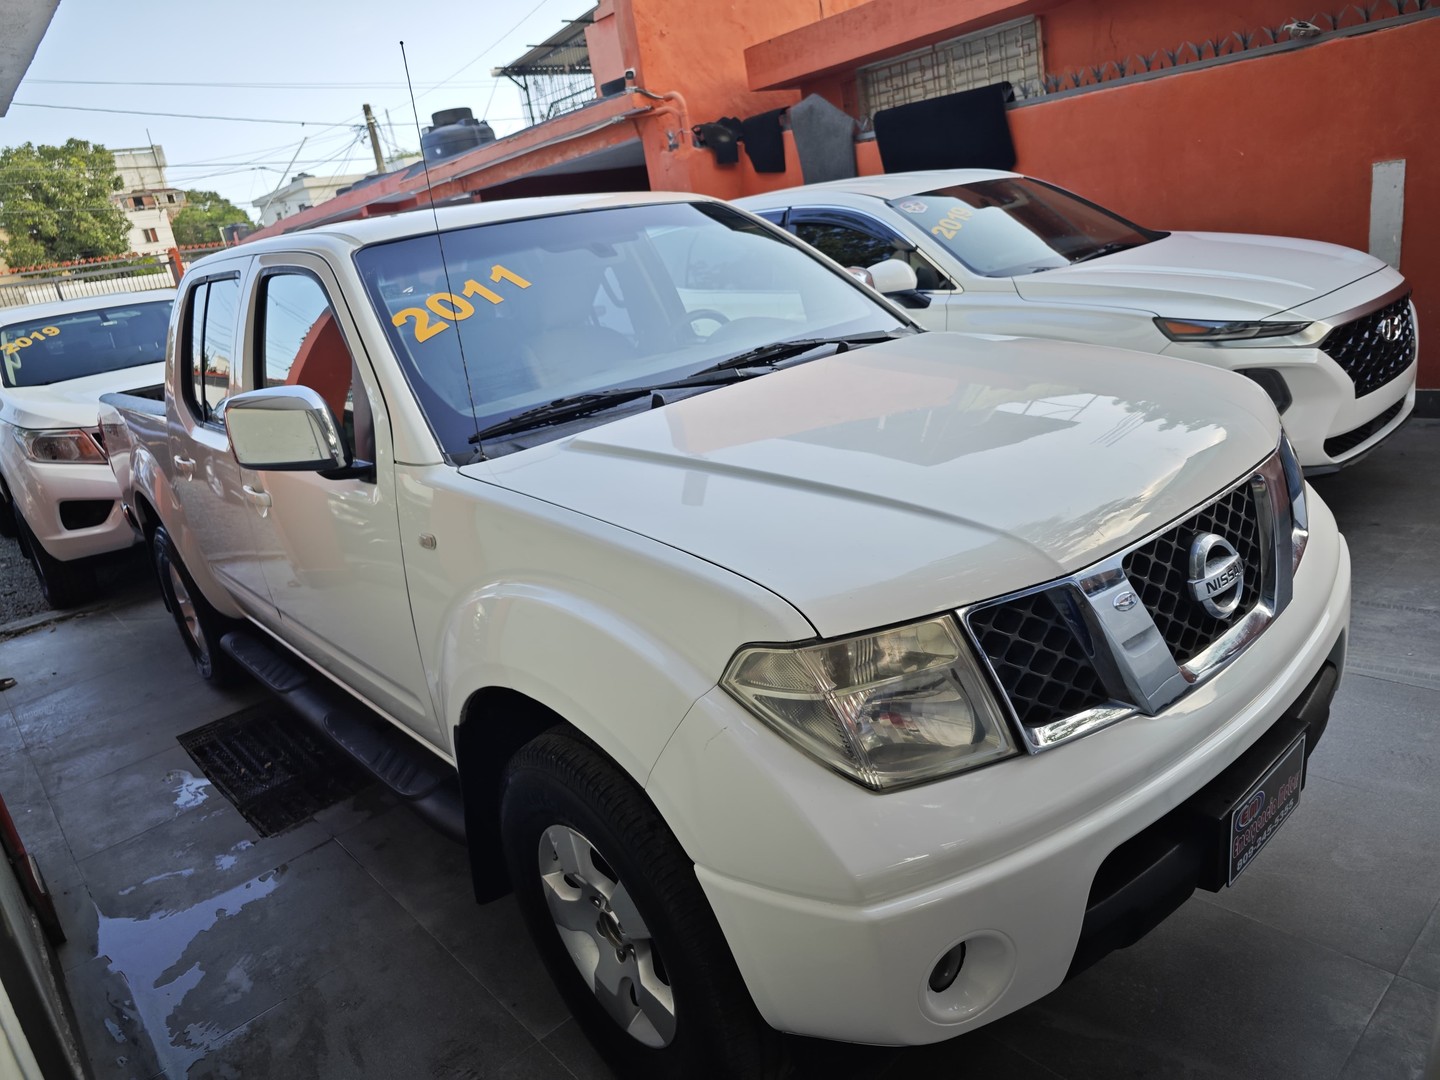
{"x":440,"y":243}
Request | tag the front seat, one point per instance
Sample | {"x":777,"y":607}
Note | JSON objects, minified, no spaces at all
{"x":569,"y":349}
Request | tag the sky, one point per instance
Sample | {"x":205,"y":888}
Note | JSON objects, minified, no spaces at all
{"x":309,"y":63}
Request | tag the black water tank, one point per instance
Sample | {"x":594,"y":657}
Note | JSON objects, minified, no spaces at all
{"x":453,"y":132}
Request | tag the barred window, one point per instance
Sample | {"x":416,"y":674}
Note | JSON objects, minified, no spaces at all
{"x":1006,"y":53}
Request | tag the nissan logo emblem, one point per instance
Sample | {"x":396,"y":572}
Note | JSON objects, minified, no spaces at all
{"x":1217,"y":575}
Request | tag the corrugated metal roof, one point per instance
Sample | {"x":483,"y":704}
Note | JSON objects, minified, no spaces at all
{"x":562,"y":53}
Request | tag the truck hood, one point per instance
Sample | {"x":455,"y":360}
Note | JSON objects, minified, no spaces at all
{"x":1190,"y":275}
{"x":76,"y":402}
{"x":914,"y":476}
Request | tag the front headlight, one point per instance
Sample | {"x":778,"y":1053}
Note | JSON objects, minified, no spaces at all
{"x":74,"y":446}
{"x":887,"y":709}
{"x":1206,"y":330}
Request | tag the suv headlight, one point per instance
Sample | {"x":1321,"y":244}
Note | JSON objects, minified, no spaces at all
{"x":73,"y":446}
{"x":886,"y":709}
{"x":1207,"y":330}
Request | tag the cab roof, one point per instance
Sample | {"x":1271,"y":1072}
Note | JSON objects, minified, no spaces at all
{"x":408,"y":223}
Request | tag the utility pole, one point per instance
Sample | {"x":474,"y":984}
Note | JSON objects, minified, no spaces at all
{"x":374,"y":130}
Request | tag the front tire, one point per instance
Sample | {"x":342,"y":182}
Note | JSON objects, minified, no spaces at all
{"x":200,"y":625}
{"x":63,"y":584}
{"x":614,"y":907}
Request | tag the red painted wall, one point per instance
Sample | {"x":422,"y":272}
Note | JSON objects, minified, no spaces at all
{"x":1279,"y":144}
{"x":1086,"y":33}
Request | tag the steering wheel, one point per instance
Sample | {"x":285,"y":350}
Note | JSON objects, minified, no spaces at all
{"x":703,"y":315}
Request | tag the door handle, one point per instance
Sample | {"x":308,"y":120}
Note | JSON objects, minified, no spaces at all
{"x":184,"y":466}
{"x":257,"y":497}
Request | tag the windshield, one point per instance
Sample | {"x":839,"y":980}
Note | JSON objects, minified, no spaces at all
{"x":38,"y":352}
{"x":1014,"y":225}
{"x":521,"y":313}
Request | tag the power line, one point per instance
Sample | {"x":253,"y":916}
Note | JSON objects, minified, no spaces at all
{"x":183,"y":116}
{"x":487,"y":51}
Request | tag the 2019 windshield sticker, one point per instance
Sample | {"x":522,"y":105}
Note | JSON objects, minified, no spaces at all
{"x":442,"y":308}
{"x":24,"y":340}
{"x":950,"y":225}
{"x":12,"y":348}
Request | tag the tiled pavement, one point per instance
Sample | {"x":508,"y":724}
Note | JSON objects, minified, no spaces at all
{"x":348,"y":947}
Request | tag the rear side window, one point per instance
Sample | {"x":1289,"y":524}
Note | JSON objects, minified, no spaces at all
{"x":209,"y":338}
{"x":301,"y":344}
{"x":848,"y":247}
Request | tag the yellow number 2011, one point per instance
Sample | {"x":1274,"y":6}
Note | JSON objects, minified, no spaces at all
{"x":443,"y":306}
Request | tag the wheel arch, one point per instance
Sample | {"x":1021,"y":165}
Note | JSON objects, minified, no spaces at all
{"x":495,"y":722}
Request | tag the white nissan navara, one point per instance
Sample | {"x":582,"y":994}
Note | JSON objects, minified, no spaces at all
{"x":798,"y":670}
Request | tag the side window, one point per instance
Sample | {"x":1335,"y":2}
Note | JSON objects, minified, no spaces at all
{"x":847,"y":246}
{"x":301,"y":345}
{"x":850,"y":246}
{"x":209,"y":344}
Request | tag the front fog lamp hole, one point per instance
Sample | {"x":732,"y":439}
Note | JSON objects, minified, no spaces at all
{"x":947,"y":968}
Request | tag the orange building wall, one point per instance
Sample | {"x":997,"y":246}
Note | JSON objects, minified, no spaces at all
{"x":1087,"y":33}
{"x":1280,"y":144}
{"x":698,"y":50}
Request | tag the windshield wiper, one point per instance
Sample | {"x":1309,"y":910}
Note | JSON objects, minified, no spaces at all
{"x":776,"y":351}
{"x":573,"y":406}
{"x":1105,"y":249}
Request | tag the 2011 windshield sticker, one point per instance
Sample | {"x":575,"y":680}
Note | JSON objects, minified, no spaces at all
{"x":11,"y":349}
{"x":442,"y":308}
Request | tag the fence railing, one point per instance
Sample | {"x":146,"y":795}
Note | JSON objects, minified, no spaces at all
{"x":94,"y":278}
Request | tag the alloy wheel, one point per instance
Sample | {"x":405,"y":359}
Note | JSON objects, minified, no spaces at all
{"x":606,"y":936}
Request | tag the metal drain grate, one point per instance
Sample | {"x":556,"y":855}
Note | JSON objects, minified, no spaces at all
{"x":272,"y":767}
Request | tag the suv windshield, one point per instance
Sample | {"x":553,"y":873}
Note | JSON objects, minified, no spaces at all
{"x":1014,"y":225}
{"x":521,"y":313}
{"x":38,"y":352}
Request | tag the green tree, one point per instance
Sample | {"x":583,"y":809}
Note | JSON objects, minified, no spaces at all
{"x":55,"y":203}
{"x":204,"y":213}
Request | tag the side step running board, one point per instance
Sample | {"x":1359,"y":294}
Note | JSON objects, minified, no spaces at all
{"x":428,"y":783}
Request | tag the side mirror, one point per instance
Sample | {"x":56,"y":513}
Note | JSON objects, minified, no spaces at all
{"x":893,"y":276}
{"x":284,"y":429}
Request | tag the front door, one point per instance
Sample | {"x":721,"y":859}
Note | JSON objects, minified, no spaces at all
{"x":330,"y":547}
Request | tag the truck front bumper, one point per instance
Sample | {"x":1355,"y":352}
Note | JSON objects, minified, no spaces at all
{"x":838,"y":903}
{"x":73,"y":510}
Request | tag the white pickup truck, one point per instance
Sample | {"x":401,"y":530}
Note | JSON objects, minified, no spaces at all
{"x":798,"y":670}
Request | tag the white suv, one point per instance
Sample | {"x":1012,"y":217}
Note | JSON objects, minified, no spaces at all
{"x":1329,"y":333}
{"x":59,"y":496}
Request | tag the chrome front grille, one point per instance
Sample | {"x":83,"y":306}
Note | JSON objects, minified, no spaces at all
{"x":1038,"y":659}
{"x":1127,"y":635}
{"x":1159,"y":570}
{"x":1374,"y":348}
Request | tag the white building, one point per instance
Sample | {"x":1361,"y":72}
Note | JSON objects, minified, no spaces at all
{"x":147,"y":198}
{"x":302,"y":192}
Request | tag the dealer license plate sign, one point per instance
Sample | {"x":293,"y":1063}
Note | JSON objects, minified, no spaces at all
{"x":1265,"y":807}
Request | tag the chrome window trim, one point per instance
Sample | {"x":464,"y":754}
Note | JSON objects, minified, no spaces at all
{"x":1126,"y":648}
